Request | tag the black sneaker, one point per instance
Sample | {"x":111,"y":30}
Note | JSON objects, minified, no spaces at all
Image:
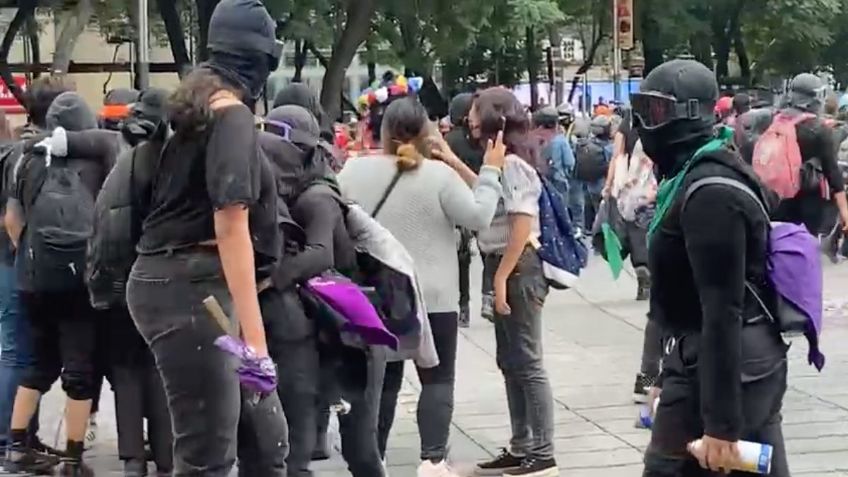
{"x":532,"y":467}
{"x":135,"y":468}
{"x":43,"y":448}
{"x":74,"y":468}
{"x":643,"y":287}
{"x":27,"y":461}
{"x":500,"y":464}
{"x":642,"y":387}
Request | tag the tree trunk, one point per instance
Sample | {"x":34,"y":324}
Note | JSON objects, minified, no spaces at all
{"x":25,"y":11}
{"x":531,"y":56}
{"x":176,"y":35}
{"x":701,"y":49}
{"x":356,"y":29}
{"x":204,"y":15}
{"x":73,"y":24}
{"x":742,"y":55}
{"x":301,"y":50}
{"x":324,"y":64}
{"x":34,"y":44}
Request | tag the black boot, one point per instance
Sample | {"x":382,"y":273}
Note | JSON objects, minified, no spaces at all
{"x":135,"y":468}
{"x":643,"y":287}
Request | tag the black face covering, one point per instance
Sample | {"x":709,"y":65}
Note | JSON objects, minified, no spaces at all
{"x":672,"y":145}
{"x":248,"y":72}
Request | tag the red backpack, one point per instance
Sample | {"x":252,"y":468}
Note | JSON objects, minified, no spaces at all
{"x":777,"y":156}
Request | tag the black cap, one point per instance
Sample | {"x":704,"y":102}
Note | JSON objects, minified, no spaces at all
{"x":243,"y":26}
{"x":546,"y":117}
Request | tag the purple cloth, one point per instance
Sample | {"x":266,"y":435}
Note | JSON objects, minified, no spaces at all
{"x":348,"y":300}
{"x":794,"y":268}
{"x":256,"y":374}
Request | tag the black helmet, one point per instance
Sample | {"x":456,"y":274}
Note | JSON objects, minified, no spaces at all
{"x":546,"y":117}
{"x":806,"y":92}
{"x":677,"y":90}
{"x":244,"y":27}
{"x":601,"y":127}
{"x":459,"y":108}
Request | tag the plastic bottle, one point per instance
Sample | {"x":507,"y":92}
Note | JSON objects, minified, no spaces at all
{"x":646,"y":415}
{"x":753,"y":456}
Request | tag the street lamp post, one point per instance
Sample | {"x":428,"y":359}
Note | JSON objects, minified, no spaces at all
{"x":143,"y":47}
{"x":616,"y":54}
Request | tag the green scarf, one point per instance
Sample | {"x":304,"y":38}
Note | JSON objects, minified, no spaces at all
{"x":669,"y":187}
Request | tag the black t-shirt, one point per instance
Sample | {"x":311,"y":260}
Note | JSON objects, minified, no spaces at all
{"x":194,"y":180}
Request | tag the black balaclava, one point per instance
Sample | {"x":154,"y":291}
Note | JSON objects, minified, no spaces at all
{"x":243,"y":46}
{"x":672,"y":145}
{"x":299,"y":94}
{"x":459,"y":108}
{"x":148,"y":117}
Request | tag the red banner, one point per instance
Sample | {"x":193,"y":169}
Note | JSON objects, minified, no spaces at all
{"x":8,"y":103}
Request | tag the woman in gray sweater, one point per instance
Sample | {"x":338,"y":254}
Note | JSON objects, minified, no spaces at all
{"x":422,"y":202}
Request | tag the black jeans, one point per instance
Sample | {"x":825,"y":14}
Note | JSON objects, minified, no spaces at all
{"x":293,"y":345}
{"x":678,"y":420}
{"x":464,"y":256}
{"x":435,"y":405}
{"x":63,"y":340}
{"x":165,"y":295}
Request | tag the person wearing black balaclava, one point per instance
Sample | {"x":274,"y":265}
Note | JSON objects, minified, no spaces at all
{"x":211,"y":231}
{"x":724,"y":376}
{"x":816,"y":141}
{"x":299,"y":94}
{"x":460,"y":142}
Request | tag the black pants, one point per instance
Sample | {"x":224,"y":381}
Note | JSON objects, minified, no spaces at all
{"x":678,"y":419}
{"x":63,"y":339}
{"x":435,"y":405}
{"x":293,"y":345}
{"x":165,"y":296}
{"x":464,"y":256}
{"x":361,"y":383}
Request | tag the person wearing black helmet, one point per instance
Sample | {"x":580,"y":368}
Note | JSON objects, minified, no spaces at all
{"x":459,"y":140}
{"x":211,"y":231}
{"x":818,"y":154}
{"x":724,"y":376}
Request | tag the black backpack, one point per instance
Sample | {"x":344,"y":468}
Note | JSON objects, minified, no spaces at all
{"x":592,"y":163}
{"x":60,"y":221}
{"x":121,"y":206}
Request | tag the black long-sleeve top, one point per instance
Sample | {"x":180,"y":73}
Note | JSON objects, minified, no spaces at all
{"x":700,"y":259}
{"x":326,"y":245}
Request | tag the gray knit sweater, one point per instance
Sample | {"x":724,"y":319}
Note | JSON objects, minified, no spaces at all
{"x":422,"y":212}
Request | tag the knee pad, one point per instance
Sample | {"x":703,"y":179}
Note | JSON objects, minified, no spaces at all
{"x":78,"y":386}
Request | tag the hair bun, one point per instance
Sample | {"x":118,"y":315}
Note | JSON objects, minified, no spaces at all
{"x":408,"y":157}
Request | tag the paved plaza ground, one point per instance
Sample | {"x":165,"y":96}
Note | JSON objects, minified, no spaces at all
{"x":592,"y":344}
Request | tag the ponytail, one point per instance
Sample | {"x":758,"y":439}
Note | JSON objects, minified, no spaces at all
{"x":408,"y":157}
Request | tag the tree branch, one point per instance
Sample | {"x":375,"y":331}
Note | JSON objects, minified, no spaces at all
{"x":176,"y":36}
{"x":26,"y":9}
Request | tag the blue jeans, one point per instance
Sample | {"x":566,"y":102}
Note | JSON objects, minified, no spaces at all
{"x":15,"y":347}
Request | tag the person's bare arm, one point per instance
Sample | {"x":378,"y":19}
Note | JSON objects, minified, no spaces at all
{"x":13,"y":221}
{"x":232,"y":232}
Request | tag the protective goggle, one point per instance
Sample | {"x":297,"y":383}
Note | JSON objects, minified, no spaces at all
{"x":288,"y":133}
{"x":654,"y":110}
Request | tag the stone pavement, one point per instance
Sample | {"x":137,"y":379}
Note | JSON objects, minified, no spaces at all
{"x":592,"y":345}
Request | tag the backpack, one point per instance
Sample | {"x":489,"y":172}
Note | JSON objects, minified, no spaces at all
{"x":592,"y":160}
{"x":118,"y":214}
{"x":563,"y":254}
{"x":60,"y":221}
{"x":794,"y":274}
{"x":777,"y":157}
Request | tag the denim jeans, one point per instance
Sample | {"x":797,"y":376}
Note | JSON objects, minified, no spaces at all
{"x":435,"y":404}
{"x":15,"y":348}
{"x":577,"y":204}
{"x":519,"y":356}
{"x":165,"y":295}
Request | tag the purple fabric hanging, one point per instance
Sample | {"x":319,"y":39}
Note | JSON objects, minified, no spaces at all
{"x":794,"y":268}
{"x":347,"y":299}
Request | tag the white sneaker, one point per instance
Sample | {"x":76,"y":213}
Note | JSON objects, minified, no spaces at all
{"x":91,"y":434}
{"x":429,"y":469}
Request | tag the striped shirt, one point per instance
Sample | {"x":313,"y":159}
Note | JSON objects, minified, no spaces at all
{"x":521,"y":190}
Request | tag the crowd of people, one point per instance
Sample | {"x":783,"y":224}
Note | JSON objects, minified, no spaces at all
{"x":236,"y":278}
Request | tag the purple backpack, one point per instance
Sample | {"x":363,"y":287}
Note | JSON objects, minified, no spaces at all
{"x":794,"y":271}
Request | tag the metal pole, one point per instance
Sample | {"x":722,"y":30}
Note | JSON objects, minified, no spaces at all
{"x":616,"y":57}
{"x":143,"y":45}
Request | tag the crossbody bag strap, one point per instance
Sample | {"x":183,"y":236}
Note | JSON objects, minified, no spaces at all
{"x":387,"y":193}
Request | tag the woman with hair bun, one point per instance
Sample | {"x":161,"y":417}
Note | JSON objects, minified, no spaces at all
{"x":421,"y":202}
{"x":512,"y":272}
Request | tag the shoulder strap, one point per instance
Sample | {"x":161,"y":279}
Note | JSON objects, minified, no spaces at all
{"x":387,"y":193}
{"x":724,"y":181}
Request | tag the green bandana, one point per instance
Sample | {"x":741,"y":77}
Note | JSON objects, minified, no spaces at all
{"x":669,"y":187}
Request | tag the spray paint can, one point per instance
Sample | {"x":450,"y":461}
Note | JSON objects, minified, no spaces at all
{"x":753,"y":456}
